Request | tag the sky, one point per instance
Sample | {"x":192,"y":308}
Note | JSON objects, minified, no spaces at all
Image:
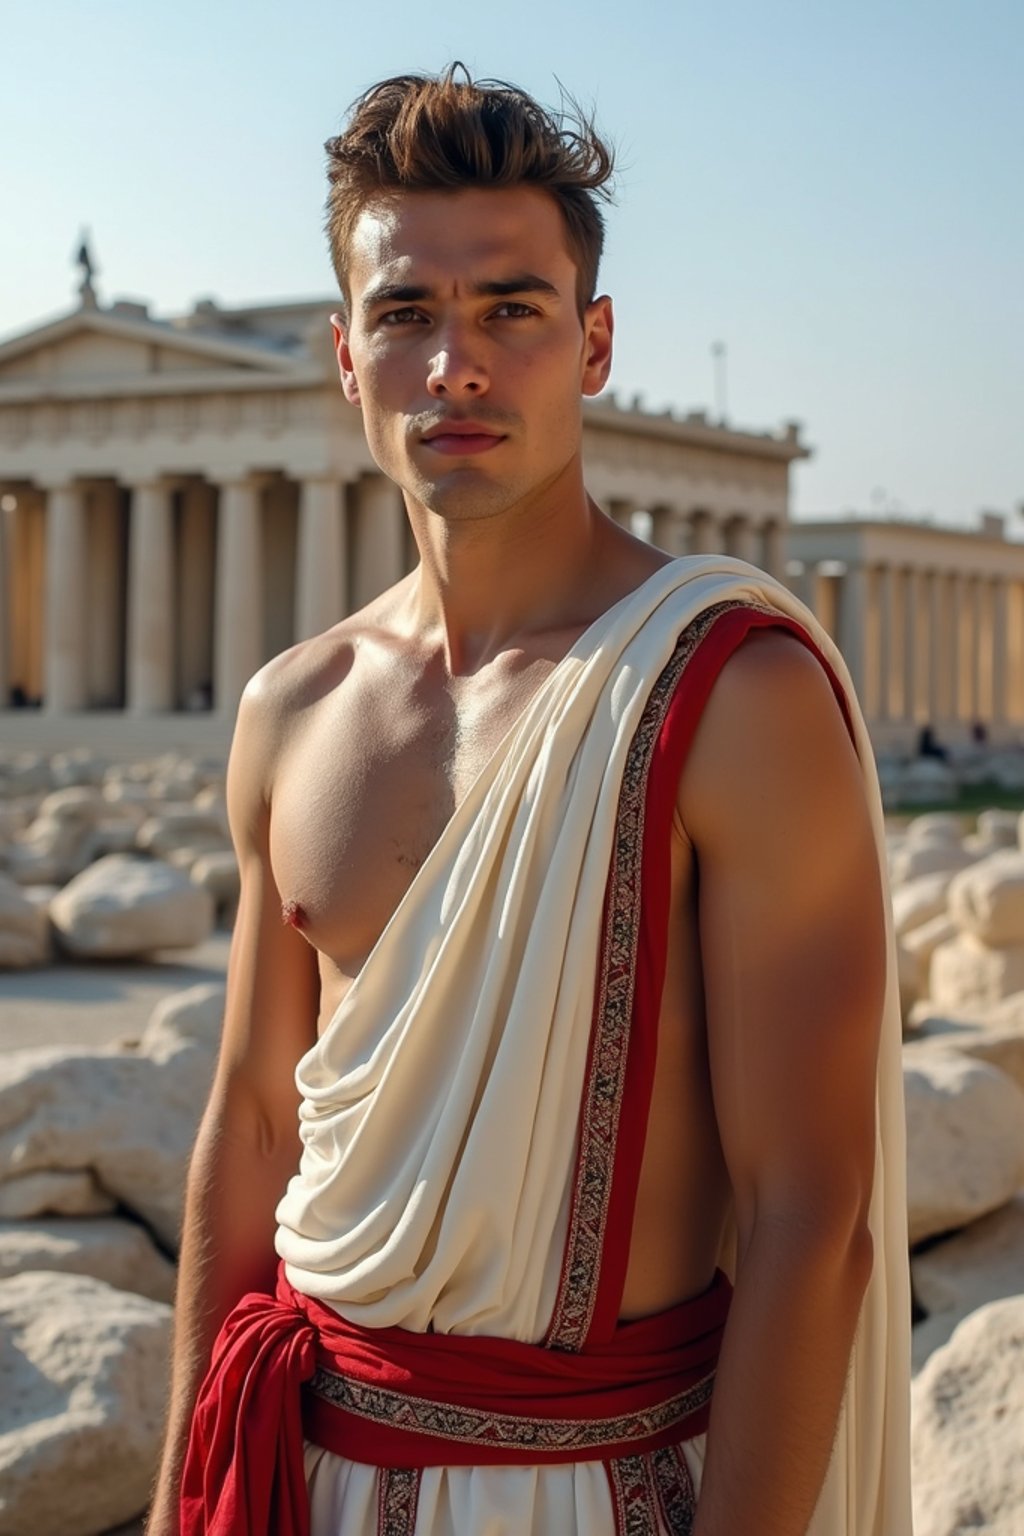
{"x":831,"y":190}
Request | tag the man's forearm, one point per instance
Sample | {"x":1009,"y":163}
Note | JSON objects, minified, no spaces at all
{"x":780,"y":1380}
{"x":227,"y":1249}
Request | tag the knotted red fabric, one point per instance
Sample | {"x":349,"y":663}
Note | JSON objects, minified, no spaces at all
{"x":394,"y":1398}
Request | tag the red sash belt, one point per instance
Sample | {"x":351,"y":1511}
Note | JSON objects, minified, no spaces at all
{"x":393,"y":1398}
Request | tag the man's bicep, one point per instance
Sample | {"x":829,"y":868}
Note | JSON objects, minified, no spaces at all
{"x":792,"y":934}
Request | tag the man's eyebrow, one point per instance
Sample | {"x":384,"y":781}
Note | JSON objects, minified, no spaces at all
{"x":495,"y":288}
{"x":394,"y":293}
{"x":522,"y":282}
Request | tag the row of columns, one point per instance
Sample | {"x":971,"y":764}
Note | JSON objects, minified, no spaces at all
{"x":937,"y":646}
{"x":698,"y":531}
{"x":350,"y":544}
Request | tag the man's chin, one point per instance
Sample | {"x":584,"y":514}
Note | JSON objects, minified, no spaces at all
{"x":464,"y":497}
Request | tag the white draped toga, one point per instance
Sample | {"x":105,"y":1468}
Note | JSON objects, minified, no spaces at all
{"x":440,"y":1116}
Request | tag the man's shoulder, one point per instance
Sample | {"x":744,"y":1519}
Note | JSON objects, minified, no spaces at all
{"x":299,"y":677}
{"x":771,"y":733}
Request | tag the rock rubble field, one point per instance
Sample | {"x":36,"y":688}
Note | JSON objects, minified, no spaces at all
{"x":115,"y":862}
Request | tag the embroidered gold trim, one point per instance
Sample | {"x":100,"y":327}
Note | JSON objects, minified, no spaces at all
{"x":603,"y":1091}
{"x":633,"y":1497}
{"x":675,"y":1489}
{"x":398,"y":1493}
{"x":447,"y":1421}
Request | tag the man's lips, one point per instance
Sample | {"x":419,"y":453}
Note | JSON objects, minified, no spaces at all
{"x":461,"y":438}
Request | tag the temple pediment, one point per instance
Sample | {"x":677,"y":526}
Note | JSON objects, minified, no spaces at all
{"x":95,"y":346}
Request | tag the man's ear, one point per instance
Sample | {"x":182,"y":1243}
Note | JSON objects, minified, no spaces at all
{"x":598,"y":326}
{"x":349,"y":383}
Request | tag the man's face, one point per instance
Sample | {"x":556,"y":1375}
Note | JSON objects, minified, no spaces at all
{"x":465,"y":349}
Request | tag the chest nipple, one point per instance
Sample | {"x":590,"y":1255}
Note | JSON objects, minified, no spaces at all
{"x":292,"y":914}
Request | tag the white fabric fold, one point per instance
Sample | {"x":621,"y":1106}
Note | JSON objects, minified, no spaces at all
{"x":439,"y":1106}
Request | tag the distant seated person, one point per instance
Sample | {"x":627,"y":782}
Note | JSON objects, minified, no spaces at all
{"x":979,"y":734}
{"x":929,"y":746}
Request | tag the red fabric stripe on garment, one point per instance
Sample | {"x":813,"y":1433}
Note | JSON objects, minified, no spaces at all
{"x":674,"y":741}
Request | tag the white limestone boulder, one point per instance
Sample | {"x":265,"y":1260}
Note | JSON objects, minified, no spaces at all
{"x":982,"y":1263}
{"x":85,"y":1371}
{"x":126,"y":1119}
{"x":181,"y":827}
{"x":108,"y":1248}
{"x":184,"y":1029}
{"x":967,"y":1418}
{"x":997,"y":1037}
{"x":24,"y":929}
{"x":51,"y":850}
{"x":24,"y":773}
{"x":918,"y":901}
{"x":987,"y":899}
{"x":996,"y":829}
{"x":968,"y":976}
{"x":965,"y":1139}
{"x":936,"y":826}
{"x":914,"y":953}
{"x":218,"y":873}
{"x":929,"y":857}
{"x":124,"y":906}
{"x":78,"y":765}
{"x":81,"y":804}
{"x":51,"y":1192}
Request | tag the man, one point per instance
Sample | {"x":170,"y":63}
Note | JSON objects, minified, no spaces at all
{"x":583,"y":978}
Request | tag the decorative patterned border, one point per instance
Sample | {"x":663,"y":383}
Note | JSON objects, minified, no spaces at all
{"x":633,"y":1497}
{"x":398,"y":1494}
{"x":472,"y":1426}
{"x":602,"y":1100}
{"x":676,"y":1494}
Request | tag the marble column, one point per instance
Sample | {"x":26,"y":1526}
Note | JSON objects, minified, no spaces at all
{"x":983,"y":648}
{"x":321,"y":575}
{"x":1000,"y":651}
{"x":65,"y":600}
{"x":886,"y":638}
{"x":150,"y":600}
{"x":852,"y":624}
{"x":972,"y":648}
{"x":378,"y":553}
{"x":956,"y":646}
{"x":911,"y":645}
{"x":705,"y":538}
{"x":195,"y":601}
{"x":238,"y":620}
{"x":663,"y":529}
{"x":773,"y":538}
{"x":742,"y":540}
{"x":938,"y":676}
{"x":106,"y":586}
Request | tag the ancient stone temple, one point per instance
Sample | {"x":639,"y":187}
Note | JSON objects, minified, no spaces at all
{"x":183,"y":498}
{"x":930,"y":621}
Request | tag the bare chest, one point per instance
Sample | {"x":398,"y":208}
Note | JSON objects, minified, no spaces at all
{"x":372,"y":780}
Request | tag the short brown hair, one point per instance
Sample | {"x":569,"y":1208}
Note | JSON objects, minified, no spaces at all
{"x":421,"y":132}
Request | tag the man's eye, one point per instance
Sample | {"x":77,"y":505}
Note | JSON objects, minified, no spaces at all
{"x":511,"y":310}
{"x":400,"y":316}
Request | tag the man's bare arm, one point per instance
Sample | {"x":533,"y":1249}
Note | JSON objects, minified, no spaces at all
{"x":247,"y":1146}
{"x":793,"y":947}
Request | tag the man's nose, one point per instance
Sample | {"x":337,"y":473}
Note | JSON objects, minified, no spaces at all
{"x":456,"y":368}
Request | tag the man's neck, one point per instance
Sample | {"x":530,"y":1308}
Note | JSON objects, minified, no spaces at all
{"x":484,"y":582}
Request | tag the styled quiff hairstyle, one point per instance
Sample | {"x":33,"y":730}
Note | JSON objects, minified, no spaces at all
{"x":425,"y":133}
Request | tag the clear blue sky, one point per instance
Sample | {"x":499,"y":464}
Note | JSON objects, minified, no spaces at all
{"x":832,"y":189}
